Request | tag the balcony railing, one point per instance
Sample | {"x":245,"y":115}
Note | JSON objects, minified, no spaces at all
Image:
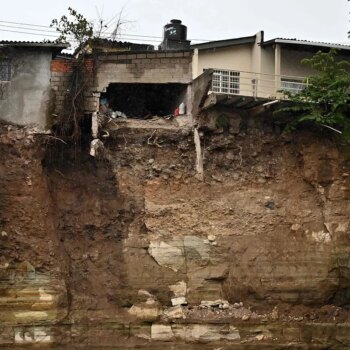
{"x":252,"y":84}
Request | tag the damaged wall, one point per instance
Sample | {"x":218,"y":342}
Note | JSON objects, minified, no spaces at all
{"x":145,"y":68}
{"x":124,"y":67}
{"x":61,"y":82}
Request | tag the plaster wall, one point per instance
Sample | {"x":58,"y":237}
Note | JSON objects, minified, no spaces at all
{"x":291,"y":63}
{"x":27,"y":96}
{"x":232,"y":58}
{"x":268,"y":61}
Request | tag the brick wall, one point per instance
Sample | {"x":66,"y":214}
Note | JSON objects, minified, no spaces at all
{"x":153,"y":67}
{"x":61,"y":73}
{"x":61,"y":80}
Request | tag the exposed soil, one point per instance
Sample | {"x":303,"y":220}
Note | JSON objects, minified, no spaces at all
{"x":268,"y":226}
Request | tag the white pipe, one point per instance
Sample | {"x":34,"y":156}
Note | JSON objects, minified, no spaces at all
{"x":329,"y":127}
{"x":271,"y":103}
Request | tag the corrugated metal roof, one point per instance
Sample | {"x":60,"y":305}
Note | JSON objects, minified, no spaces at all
{"x":33,"y":44}
{"x":119,"y":44}
{"x":224,"y":43}
{"x":102,"y":44}
{"x":306,"y":43}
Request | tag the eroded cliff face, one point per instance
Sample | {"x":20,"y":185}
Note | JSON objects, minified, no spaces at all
{"x":132,"y":250}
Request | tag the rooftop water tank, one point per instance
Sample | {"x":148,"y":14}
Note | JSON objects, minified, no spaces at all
{"x":175,"y":30}
{"x":175,"y":36}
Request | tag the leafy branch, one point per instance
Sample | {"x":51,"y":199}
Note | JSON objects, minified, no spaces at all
{"x":325,"y":100}
{"x":75,"y":27}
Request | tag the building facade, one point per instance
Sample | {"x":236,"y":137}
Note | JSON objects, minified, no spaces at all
{"x":25,"y":91}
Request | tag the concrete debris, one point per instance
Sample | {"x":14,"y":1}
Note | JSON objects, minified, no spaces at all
{"x":176,"y":312}
{"x":179,"y":291}
{"x":96,"y":148}
{"x":211,"y":238}
{"x":179,"y":301}
{"x":146,"y":294}
{"x":118,"y":114}
{"x":238,"y":305}
{"x":220,"y":304}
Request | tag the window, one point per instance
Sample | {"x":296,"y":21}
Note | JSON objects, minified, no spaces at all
{"x":226,"y":82}
{"x":292,"y":85}
{"x":5,"y":77}
{"x":5,"y":69}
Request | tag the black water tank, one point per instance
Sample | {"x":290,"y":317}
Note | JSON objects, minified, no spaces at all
{"x":175,"y":31}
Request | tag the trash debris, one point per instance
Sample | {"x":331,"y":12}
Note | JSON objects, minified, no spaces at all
{"x":116,"y":114}
{"x":182,"y":109}
{"x":221,"y":304}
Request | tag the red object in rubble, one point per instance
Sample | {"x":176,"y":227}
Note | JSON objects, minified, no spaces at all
{"x":176,"y":112}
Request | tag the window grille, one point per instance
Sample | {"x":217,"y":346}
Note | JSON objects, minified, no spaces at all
{"x":226,"y":82}
{"x":4,"y":89}
{"x":292,"y":85}
{"x":5,"y":70}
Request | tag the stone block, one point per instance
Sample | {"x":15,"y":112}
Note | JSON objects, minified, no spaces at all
{"x":162,"y":332}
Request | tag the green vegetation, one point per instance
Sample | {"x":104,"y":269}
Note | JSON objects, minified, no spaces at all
{"x":325,"y":100}
{"x":222,"y":121}
{"x":74,"y":27}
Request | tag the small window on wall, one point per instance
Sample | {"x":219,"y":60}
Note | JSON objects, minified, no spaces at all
{"x":5,"y":69}
{"x":5,"y":77}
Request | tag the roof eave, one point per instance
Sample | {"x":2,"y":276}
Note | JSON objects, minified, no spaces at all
{"x":304,"y":43}
{"x":225,"y":43}
{"x":34,"y":45}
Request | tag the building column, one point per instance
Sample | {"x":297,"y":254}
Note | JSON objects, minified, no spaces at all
{"x":277,"y":67}
{"x":195,"y":65}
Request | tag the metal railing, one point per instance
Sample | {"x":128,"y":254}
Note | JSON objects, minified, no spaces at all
{"x":231,"y":82}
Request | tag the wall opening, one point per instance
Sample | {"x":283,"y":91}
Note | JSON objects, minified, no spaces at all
{"x":143,"y":100}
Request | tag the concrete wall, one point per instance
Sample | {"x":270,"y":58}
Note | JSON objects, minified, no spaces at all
{"x":290,"y":63}
{"x":122,"y":67}
{"x":156,"y":67}
{"x":268,"y":60}
{"x":232,"y":58}
{"x":28,"y":96}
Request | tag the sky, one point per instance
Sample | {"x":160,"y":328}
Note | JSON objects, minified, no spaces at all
{"x":317,"y":20}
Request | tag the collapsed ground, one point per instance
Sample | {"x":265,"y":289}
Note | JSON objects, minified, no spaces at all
{"x":96,"y":249}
